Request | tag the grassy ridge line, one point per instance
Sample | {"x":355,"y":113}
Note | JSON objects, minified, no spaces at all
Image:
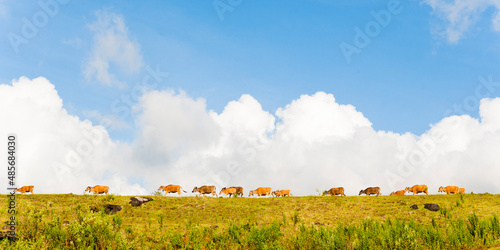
{"x":177,"y":211}
{"x":291,"y":222}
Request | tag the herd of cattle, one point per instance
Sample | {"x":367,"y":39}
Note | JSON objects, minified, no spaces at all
{"x":266,"y":191}
{"x":423,"y":189}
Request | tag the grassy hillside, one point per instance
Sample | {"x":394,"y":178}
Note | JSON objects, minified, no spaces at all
{"x":465,"y":221}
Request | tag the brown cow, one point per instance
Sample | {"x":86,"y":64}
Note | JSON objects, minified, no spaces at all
{"x":461,"y":190}
{"x":265,"y":191}
{"x":239,"y":191}
{"x":400,"y":192}
{"x":283,"y":193}
{"x":205,"y":190}
{"x":228,"y":191}
{"x":417,"y":189}
{"x":98,"y":189}
{"x":370,"y":191}
{"x":449,"y":189}
{"x":25,"y":189}
{"x":172,"y":189}
{"x":335,"y":191}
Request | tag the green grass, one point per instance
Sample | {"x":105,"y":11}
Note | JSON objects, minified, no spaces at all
{"x":386,"y":222}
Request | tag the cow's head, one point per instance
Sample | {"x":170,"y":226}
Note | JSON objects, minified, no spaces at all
{"x":195,"y":189}
{"x":161,"y":188}
{"x":361,"y":192}
{"x":393,"y":193}
{"x":250,"y":194}
{"x":407,"y":189}
{"x":88,"y":189}
{"x":441,"y":189}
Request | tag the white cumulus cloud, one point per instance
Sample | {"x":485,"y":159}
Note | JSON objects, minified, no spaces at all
{"x":58,"y":152}
{"x":112,"y":46}
{"x":311,"y":143}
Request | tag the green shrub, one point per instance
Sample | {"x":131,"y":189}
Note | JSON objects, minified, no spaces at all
{"x":266,"y":237}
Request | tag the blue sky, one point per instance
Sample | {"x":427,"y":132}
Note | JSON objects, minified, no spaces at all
{"x":404,"y":80}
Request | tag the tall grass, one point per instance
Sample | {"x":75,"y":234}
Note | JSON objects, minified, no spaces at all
{"x":98,"y":231}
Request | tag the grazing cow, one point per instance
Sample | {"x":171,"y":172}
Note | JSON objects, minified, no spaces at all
{"x":25,"y":189}
{"x":370,"y":191}
{"x":97,"y":189}
{"x":260,"y":191}
{"x":449,"y":189}
{"x":335,"y":191}
{"x":417,"y":189}
{"x":461,"y":190}
{"x":228,"y":191}
{"x":205,"y":190}
{"x":172,"y":189}
{"x":400,"y":192}
{"x":239,"y":191}
{"x":283,"y":193}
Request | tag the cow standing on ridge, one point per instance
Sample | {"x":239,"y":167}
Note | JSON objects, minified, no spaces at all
{"x":400,"y":192}
{"x":370,"y":190}
{"x":228,"y":191}
{"x":335,"y":191}
{"x":283,"y":193}
{"x":449,"y":189}
{"x":97,"y":189}
{"x":417,"y":189}
{"x":262,"y":191}
{"x":25,"y":189}
{"x":171,"y":189}
{"x":205,"y":190}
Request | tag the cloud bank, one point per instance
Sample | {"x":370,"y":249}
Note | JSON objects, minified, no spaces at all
{"x":313,"y":143}
{"x":460,"y":15}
